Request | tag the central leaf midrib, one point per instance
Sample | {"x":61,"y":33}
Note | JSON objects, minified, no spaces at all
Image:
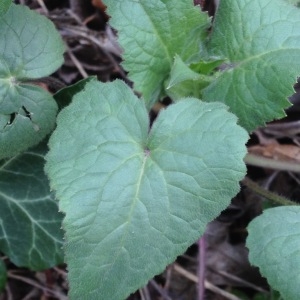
{"x":128,"y":221}
{"x":136,"y":198}
{"x":168,"y":54}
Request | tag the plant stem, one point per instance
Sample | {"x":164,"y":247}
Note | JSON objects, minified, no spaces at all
{"x":259,"y":161}
{"x":267,"y":194}
{"x":201,"y":267}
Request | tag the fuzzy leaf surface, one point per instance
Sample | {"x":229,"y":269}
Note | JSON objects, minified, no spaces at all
{"x":151,"y":34}
{"x":29,"y":121}
{"x":180,"y":72}
{"x":185,"y":82}
{"x":274,"y":246}
{"x":31,"y":48}
{"x":263,"y":53}
{"x":136,"y":200}
{"x":4,"y":6}
{"x":30,"y":225}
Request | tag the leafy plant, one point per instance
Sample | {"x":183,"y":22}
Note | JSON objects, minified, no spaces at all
{"x":144,"y":198}
{"x":136,"y":196}
{"x":277,"y":252}
{"x":30,"y":48}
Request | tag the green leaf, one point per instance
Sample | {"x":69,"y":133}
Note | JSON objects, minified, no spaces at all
{"x":261,"y":40}
{"x":294,"y":2}
{"x":181,"y":72}
{"x":151,"y":33}
{"x":4,"y":6}
{"x":136,"y":200}
{"x":185,"y":82}
{"x":274,"y":245}
{"x":31,"y":48}
{"x":188,"y":88}
{"x":3,"y":275}
{"x":28,"y":124}
{"x":207,"y":66}
{"x":64,"y":96}
{"x":30,"y":231}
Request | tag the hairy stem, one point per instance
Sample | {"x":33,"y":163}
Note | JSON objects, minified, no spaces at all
{"x":265,"y":193}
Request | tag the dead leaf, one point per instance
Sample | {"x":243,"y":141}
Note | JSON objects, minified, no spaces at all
{"x":277,"y":151}
{"x":99,"y":4}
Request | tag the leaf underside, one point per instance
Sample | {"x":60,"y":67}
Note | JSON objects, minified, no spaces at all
{"x":261,"y":40}
{"x":65,"y":95}
{"x":31,"y":48}
{"x":151,"y":34}
{"x":274,"y":244}
{"x":30,"y":231}
{"x":134,"y":201}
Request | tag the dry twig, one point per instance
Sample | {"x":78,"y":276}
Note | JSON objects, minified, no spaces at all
{"x":207,"y":284}
{"x":31,"y":282}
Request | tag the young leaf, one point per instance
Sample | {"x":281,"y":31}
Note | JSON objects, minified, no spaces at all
{"x":151,"y":33}
{"x":180,"y":72}
{"x":30,"y":231}
{"x":185,"y":82}
{"x":134,"y":201}
{"x":274,"y":243}
{"x":30,"y":48}
{"x":261,"y":40}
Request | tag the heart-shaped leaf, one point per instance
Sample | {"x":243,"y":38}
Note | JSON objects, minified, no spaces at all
{"x":30,"y":48}
{"x":30,"y":231}
{"x":152,"y":33}
{"x":274,"y":244}
{"x":136,"y":200}
{"x":261,"y":40}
